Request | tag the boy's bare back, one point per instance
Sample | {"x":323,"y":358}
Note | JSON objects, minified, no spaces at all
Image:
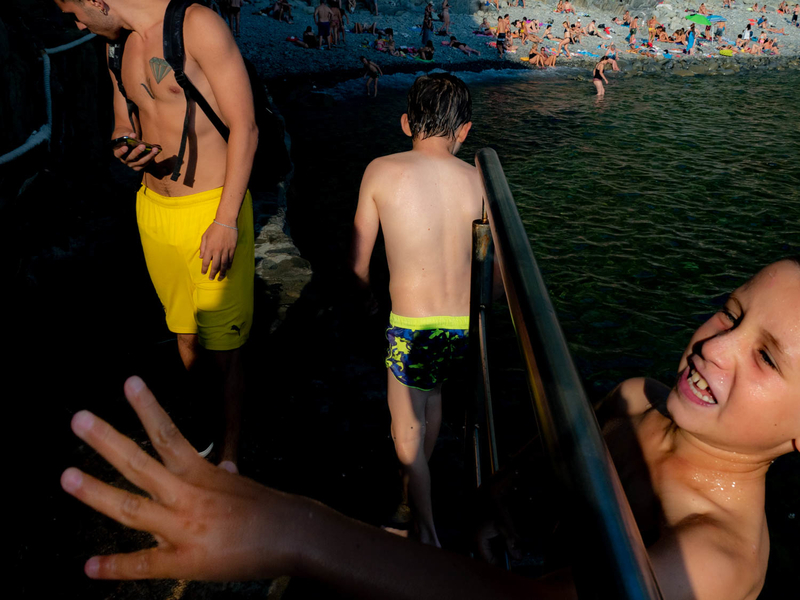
{"x":425,"y":200}
{"x":426,"y":203}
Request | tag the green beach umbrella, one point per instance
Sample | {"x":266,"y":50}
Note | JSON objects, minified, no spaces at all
{"x":699,"y":19}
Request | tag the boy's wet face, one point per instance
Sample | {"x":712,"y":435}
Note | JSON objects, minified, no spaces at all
{"x":739,"y":382}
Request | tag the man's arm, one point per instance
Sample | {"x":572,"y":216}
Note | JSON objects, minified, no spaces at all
{"x":137,"y":158}
{"x":210,"y":43}
{"x":365,"y":226}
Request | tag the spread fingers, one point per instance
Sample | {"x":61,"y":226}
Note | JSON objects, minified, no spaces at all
{"x":126,"y":456}
{"x":154,"y":563}
{"x":176,"y":452}
{"x":132,"y":510}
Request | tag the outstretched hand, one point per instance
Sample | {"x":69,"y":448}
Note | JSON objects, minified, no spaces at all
{"x":209,"y":523}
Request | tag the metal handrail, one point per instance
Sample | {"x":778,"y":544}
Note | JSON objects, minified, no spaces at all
{"x":620,"y":567}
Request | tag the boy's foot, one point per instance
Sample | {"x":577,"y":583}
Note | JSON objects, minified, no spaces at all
{"x":401,"y":517}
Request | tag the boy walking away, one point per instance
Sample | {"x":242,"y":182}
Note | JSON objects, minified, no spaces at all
{"x":371,"y":72}
{"x":425,"y":201}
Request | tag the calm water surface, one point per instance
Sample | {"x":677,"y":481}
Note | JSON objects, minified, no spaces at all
{"x":644,"y":209}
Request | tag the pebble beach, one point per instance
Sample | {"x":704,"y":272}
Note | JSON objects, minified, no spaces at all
{"x":264,"y":40}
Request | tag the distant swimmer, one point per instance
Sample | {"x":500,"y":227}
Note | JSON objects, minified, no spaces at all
{"x":598,"y":77}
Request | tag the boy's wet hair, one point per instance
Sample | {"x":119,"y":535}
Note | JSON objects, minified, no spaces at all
{"x":438,"y":104}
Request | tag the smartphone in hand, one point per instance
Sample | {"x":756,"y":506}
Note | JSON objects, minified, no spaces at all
{"x":132,"y":143}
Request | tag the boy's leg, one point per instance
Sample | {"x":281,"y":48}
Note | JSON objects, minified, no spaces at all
{"x":408,"y":407}
{"x":231,"y":368}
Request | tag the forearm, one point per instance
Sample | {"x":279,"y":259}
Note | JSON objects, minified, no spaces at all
{"x":366,"y":562}
{"x":242,"y":145}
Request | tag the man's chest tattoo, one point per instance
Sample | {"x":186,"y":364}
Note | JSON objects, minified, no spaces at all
{"x":160,"y":68}
{"x":147,"y":89}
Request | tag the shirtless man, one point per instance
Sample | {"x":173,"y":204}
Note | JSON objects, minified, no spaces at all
{"x":207,"y":296}
{"x":502,"y":33}
{"x":652,"y":26}
{"x":692,"y":459}
{"x":424,"y":201}
{"x":371,"y":72}
{"x":322,"y":17}
{"x":703,"y":10}
{"x":626,"y":19}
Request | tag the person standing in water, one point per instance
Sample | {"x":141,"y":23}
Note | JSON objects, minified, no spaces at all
{"x":598,"y":77}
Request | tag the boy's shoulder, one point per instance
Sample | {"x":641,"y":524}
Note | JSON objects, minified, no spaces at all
{"x":385,"y":170}
{"x":633,"y":397}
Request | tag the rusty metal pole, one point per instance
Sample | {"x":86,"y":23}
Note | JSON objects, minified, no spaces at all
{"x":478,"y":433}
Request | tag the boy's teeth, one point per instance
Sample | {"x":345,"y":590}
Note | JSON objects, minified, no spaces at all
{"x":698,"y":385}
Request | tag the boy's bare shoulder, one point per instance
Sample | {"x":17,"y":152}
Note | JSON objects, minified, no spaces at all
{"x":704,"y":557}
{"x":633,"y":397}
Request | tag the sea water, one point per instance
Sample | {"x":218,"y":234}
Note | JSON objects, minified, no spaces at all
{"x":644,"y":209}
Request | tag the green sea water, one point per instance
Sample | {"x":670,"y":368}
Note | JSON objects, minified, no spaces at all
{"x":644,"y":209}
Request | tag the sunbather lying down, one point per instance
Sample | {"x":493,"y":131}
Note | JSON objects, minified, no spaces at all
{"x":692,"y":458}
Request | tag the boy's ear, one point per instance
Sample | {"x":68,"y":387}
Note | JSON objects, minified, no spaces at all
{"x":404,"y":125}
{"x":463,"y":131}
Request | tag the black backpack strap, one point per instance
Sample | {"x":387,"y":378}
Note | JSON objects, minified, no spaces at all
{"x":115,"y":50}
{"x":175,"y":55}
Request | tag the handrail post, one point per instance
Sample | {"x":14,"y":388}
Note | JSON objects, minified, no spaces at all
{"x":480,"y":300}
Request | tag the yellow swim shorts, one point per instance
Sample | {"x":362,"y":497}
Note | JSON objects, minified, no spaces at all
{"x":171,"y":228}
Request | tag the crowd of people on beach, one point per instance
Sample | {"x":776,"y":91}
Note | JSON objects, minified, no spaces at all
{"x":543,"y":42}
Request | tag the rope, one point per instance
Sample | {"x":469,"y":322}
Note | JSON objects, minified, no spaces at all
{"x":43,"y":133}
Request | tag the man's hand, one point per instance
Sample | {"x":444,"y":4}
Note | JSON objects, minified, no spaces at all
{"x":137,"y":158}
{"x":210,"y":524}
{"x":217,"y":248}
